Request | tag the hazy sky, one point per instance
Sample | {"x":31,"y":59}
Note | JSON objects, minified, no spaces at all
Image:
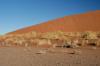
{"x":16,"y":14}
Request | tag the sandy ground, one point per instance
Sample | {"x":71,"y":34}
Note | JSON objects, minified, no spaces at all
{"x":19,"y":56}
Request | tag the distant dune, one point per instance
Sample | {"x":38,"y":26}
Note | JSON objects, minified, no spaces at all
{"x":89,"y":21}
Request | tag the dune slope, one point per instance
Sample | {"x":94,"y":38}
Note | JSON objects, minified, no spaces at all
{"x":89,"y":21}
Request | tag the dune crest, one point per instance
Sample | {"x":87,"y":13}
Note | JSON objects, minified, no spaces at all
{"x":89,"y":21}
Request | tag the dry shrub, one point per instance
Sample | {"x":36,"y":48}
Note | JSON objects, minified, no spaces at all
{"x":44,"y":42}
{"x":98,"y":43}
{"x":89,"y":35}
{"x":54,"y":39}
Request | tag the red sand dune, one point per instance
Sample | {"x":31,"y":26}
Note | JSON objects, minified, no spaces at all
{"x":89,"y":21}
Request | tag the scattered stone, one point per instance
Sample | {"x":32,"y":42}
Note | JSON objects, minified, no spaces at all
{"x":94,"y":48}
{"x":41,"y":52}
{"x":72,"y":52}
{"x":75,"y":52}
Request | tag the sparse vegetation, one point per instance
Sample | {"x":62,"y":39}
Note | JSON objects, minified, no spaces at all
{"x":52,"y":39}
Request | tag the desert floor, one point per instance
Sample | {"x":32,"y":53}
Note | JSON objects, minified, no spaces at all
{"x":28,"y":56}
